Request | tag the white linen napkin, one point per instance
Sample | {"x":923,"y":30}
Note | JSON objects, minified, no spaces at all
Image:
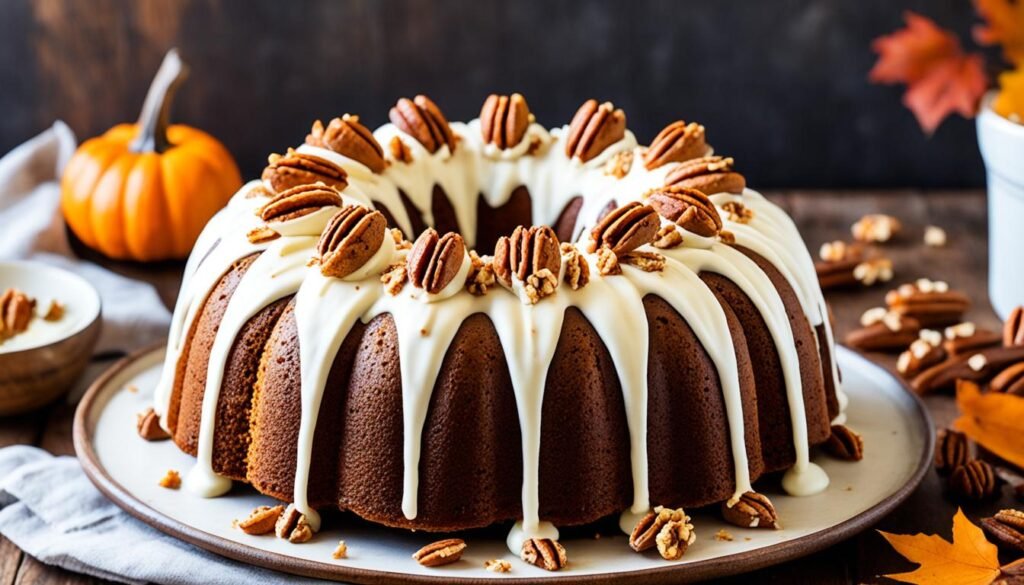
{"x":50,"y":509}
{"x":31,"y":228}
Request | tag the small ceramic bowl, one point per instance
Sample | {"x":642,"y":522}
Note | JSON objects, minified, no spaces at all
{"x":41,"y":364}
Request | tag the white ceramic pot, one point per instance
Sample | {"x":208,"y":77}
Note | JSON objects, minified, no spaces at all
{"x":1002,"y":148}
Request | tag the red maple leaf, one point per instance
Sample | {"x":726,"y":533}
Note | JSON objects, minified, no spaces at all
{"x":940,"y":77}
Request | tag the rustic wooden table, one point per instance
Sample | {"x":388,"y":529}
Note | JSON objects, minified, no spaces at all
{"x":822,"y":216}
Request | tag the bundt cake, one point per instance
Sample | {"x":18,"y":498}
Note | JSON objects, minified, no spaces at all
{"x":444,"y":326}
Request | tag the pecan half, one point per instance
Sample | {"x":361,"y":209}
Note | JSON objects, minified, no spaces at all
{"x":975,"y":367}
{"x":674,"y":538}
{"x":1006,"y":527}
{"x":645,"y":533}
{"x":709,"y":174}
{"x":422,"y":119}
{"x":527,"y":251}
{"x":976,"y":480}
{"x":148,"y":424}
{"x":442,"y":552}
{"x":965,"y":338}
{"x":350,"y":239}
{"x":676,"y":142}
{"x":296,"y":168}
{"x":349,"y":138}
{"x":738,"y":212}
{"x":299,"y":201}
{"x":577,"y":269}
{"x":292,"y":525}
{"x":16,"y":310}
{"x":607,"y":262}
{"x":262,"y":520}
{"x":1013,"y":329}
{"x":504,"y":120}
{"x":845,"y":444}
{"x":544,"y":553}
{"x":1010,"y":380}
{"x":689,"y":208}
{"x":627,"y":228}
{"x":951,"y":451}
{"x":920,"y":356}
{"x":883,"y":330}
{"x":594,"y":128}
{"x":434,"y":260}
{"x":753,"y":510}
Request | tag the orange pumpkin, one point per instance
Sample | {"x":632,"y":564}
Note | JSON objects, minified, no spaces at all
{"x":144,"y":191}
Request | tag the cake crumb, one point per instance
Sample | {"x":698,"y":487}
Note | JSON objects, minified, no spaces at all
{"x":746,"y":538}
{"x":934,"y":236}
{"x":498,"y":566}
{"x":597,"y":536}
{"x":171,"y":480}
{"x":723,"y":535}
{"x":848,"y":488}
{"x":132,"y":388}
{"x":341,"y":552}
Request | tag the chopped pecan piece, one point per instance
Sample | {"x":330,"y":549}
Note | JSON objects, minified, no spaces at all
{"x":148,"y":424}
{"x":171,"y":480}
{"x":498,"y":566}
{"x":350,"y":239}
{"x":293,"y":526}
{"x":349,"y":138}
{"x":294,"y":169}
{"x":394,"y":278}
{"x":340,"y":551}
{"x":951,"y":451}
{"x":676,"y":142}
{"x":434,"y":261}
{"x":540,"y":284}
{"x":709,"y":174}
{"x":481,"y":275}
{"x":400,"y":150}
{"x":931,"y":302}
{"x":262,"y":235}
{"x":752,"y":510}
{"x":1010,"y":380}
{"x":577,"y":270}
{"x":16,"y":309}
{"x":845,"y":444}
{"x":422,"y":119}
{"x":607,"y":262}
{"x":619,"y":165}
{"x":668,"y":237}
{"x":442,"y":552}
{"x":594,"y":128}
{"x":674,"y":538}
{"x":55,"y":311}
{"x":976,"y":480}
{"x":738,"y":212}
{"x":299,"y":201}
{"x":262,"y":520}
{"x":1013,"y":329}
{"x":727,"y":237}
{"x":876,"y":227}
{"x":527,"y":251}
{"x":627,"y":228}
{"x":504,"y":120}
{"x":689,"y":208}
{"x":934,"y":237}
{"x":545,"y":553}
{"x":646,"y":261}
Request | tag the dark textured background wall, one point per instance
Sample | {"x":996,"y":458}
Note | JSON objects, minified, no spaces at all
{"x":781,"y":85}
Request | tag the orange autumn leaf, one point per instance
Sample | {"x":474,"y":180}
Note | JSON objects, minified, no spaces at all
{"x":1009,"y":102}
{"x":940,"y":77}
{"x":969,"y":560}
{"x":1004,"y":25}
{"x":993,"y":420}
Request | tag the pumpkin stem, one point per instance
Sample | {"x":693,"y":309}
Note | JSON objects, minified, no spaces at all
{"x":155,"y":116}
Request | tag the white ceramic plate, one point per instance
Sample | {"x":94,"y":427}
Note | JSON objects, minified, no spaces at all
{"x":897,"y":433}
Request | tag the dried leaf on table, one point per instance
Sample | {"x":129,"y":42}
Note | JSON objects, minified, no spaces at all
{"x":941,"y":79}
{"x":1009,"y":102}
{"x":1004,"y":25}
{"x":969,"y":560}
{"x":993,"y":420}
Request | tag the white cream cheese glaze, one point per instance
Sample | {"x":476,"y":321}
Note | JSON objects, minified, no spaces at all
{"x":327,"y":308}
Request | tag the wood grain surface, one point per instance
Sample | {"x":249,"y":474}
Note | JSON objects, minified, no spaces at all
{"x":822,"y":216}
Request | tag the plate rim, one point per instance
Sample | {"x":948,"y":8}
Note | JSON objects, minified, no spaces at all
{"x":723,"y":566}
